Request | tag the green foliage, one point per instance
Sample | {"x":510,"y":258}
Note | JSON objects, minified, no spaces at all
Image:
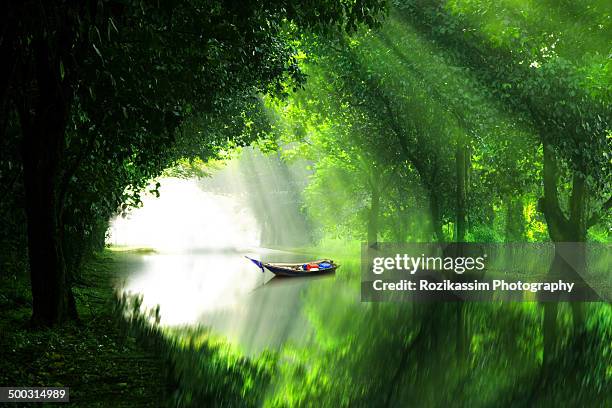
{"x":501,"y":88}
{"x":554,"y":91}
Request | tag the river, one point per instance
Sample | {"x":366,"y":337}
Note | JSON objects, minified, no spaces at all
{"x":224,"y":291}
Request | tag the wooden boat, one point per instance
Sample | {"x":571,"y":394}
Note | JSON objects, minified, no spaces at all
{"x":298,"y":269}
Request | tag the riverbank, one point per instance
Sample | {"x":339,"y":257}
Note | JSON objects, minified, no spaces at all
{"x":101,"y":363}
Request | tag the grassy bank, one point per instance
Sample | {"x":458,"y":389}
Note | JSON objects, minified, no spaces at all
{"x":101,"y":363}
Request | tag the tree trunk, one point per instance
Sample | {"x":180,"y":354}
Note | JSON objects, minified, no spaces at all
{"x":461,"y":161}
{"x":43,"y":126}
{"x":563,"y":230}
{"x":50,"y":294}
{"x":74,"y":245}
{"x":515,"y":220}
{"x":578,"y":234}
{"x":461,"y":167}
{"x":8,"y":65}
{"x":373,"y":216}
{"x":436,"y":218}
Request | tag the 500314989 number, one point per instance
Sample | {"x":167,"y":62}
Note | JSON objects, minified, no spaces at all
{"x":34,"y":394}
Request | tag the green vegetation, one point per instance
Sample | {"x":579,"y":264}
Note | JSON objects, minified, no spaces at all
{"x":416,"y":121}
{"x":96,"y":358}
{"x":103,"y":97}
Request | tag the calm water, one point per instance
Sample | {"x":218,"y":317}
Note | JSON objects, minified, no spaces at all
{"x":196,"y":281}
{"x":223,"y":290}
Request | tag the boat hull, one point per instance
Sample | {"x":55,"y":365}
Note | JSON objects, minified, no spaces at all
{"x":283,"y":271}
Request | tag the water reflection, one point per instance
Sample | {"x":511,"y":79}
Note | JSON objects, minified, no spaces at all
{"x":198,"y":274}
{"x":226,"y":292}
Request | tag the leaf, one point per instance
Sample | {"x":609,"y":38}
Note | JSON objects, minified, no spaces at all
{"x":97,"y":51}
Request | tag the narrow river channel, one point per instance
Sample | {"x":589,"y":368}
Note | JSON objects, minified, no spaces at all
{"x":196,"y":270}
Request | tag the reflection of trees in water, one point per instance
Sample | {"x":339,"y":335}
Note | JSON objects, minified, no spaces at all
{"x":405,"y":354}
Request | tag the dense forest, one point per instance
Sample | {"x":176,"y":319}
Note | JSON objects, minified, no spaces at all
{"x":412,"y":121}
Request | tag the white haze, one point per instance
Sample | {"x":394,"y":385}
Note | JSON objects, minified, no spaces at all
{"x":185,"y":217}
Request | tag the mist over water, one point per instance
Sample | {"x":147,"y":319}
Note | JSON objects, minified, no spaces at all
{"x":185,"y":217}
{"x":201,"y":229}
